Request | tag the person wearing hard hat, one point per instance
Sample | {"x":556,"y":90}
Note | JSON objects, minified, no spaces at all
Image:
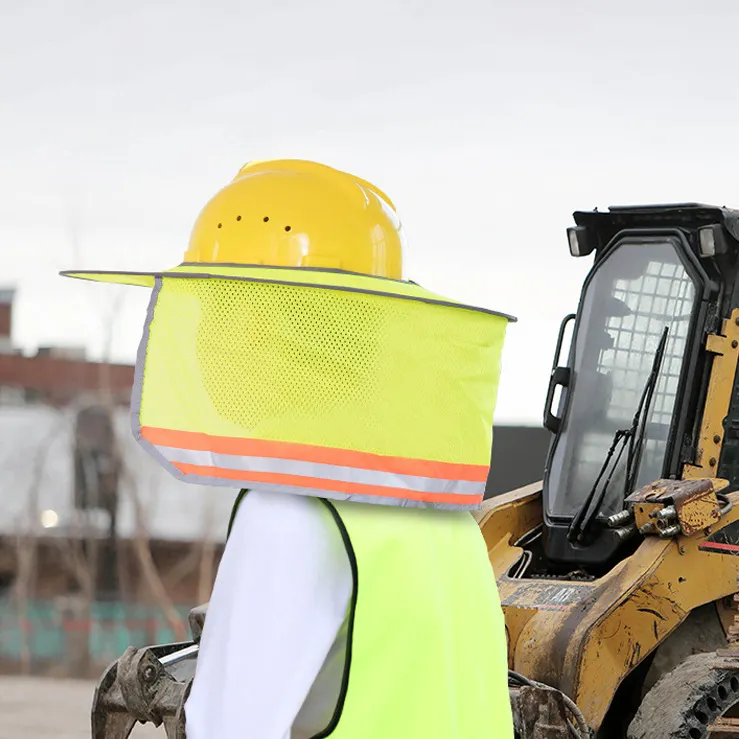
{"x":287,"y":357}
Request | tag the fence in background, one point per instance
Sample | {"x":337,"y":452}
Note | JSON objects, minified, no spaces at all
{"x":49,"y":637}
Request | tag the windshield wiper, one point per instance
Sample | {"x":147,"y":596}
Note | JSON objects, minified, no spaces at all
{"x":635,"y":435}
{"x":637,"y":432}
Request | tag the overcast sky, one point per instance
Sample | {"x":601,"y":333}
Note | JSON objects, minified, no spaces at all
{"x":487,"y":122}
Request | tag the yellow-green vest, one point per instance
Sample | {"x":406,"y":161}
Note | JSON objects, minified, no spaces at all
{"x":426,"y":647}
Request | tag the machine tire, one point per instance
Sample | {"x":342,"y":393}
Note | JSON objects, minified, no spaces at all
{"x":685,"y":702}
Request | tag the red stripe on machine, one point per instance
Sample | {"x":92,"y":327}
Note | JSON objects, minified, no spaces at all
{"x":719,"y":547}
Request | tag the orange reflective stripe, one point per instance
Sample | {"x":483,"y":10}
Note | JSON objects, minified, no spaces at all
{"x":310,"y":453}
{"x":337,"y":486}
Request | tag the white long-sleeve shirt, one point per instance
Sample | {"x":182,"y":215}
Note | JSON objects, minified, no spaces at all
{"x":275,"y":617}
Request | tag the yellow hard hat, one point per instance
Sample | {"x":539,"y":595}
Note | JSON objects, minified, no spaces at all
{"x":291,"y":213}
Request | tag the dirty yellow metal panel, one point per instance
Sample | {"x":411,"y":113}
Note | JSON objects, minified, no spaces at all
{"x":698,"y":512}
{"x":552,"y":608}
{"x":504,"y":519}
{"x":625,"y":631}
{"x":725,"y":347}
{"x":505,"y":510}
{"x":585,"y":637}
{"x":515,"y":622}
{"x":683,"y":579}
{"x":556,"y":644}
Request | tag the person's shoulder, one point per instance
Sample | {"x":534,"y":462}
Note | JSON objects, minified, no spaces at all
{"x":291,"y":531}
{"x":281,"y":503}
{"x":287,"y":512}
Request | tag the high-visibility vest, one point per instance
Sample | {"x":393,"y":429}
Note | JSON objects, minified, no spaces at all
{"x":425,"y":654}
{"x":332,"y":385}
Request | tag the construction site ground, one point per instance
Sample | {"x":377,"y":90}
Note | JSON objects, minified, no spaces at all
{"x":47,"y":708}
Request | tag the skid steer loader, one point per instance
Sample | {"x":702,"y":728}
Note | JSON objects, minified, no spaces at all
{"x":619,"y":571}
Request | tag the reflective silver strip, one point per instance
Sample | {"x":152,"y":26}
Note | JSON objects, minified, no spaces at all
{"x":320,"y":470}
{"x":270,"y":487}
{"x":138,"y":383}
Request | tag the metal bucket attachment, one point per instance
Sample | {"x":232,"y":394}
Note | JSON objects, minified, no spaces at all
{"x":145,"y":685}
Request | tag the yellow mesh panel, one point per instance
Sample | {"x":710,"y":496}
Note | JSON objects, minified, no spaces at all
{"x":324,"y":367}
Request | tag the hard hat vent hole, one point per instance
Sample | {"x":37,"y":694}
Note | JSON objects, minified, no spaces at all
{"x":238,"y":218}
{"x":265,"y":219}
{"x":288,"y":228}
{"x":220,"y":225}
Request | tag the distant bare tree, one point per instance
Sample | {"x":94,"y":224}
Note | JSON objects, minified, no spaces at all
{"x":27,"y":540}
{"x":207,"y":555}
{"x":142,"y":548}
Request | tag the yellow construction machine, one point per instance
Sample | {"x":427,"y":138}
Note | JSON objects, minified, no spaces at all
{"x":618,"y":573}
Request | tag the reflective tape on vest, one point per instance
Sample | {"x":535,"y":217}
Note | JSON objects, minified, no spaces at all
{"x":332,"y":473}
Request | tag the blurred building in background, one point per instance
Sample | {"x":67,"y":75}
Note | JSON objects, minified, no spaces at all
{"x":6,"y":319}
{"x":55,"y":375}
{"x":99,"y":546}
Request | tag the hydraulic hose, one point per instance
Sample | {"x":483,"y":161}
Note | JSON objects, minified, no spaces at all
{"x":582,"y":731}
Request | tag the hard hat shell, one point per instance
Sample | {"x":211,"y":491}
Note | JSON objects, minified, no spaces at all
{"x":293,"y":213}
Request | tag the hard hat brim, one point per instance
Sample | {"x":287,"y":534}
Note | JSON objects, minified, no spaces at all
{"x":139,"y":279}
{"x":331,"y":279}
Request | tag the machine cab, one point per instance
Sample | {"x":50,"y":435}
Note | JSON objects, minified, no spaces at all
{"x":632,"y":390}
